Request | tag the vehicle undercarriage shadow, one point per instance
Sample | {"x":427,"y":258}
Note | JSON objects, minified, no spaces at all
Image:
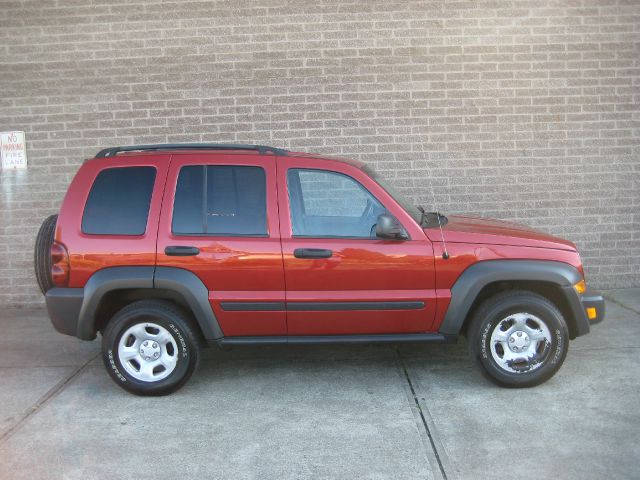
{"x":245,"y":363}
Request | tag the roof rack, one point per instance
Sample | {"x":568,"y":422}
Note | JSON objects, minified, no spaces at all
{"x":261,"y":149}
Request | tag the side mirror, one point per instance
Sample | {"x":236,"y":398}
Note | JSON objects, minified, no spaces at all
{"x":389,"y":227}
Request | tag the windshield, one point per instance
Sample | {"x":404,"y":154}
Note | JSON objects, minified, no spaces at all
{"x":404,"y":202}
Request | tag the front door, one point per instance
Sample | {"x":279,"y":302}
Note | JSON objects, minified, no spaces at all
{"x":219,"y":221}
{"x":340,"y":278}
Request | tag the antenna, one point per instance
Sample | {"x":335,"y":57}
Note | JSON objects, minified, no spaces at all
{"x":445,"y":254}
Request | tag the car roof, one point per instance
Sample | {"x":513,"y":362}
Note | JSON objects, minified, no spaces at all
{"x":213,"y":149}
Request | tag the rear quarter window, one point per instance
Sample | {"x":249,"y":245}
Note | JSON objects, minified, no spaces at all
{"x":118,"y":203}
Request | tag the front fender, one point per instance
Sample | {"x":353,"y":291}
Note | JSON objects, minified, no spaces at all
{"x":471,"y":282}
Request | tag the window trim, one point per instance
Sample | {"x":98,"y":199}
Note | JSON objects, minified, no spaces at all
{"x":335,"y":237}
{"x":205,"y":215}
{"x":150,"y":203}
{"x":226,"y":235}
{"x":331,"y":237}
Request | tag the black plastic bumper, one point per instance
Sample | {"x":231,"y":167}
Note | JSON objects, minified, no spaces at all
{"x":579,"y":305}
{"x":63,"y":305}
{"x":594,"y":300}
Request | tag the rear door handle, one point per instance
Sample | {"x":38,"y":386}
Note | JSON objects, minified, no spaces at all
{"x":312,"y":253}
{"x":181,"y":251}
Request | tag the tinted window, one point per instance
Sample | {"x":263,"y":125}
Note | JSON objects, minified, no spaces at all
{"x":220,"y":200}
{"x":330,"y":204}
{"x":118,"y":202}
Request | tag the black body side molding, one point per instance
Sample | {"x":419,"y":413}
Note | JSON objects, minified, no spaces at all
{"x":334,"y":306}
{"x":318,"y":306}
{"x":481,"y":274}
{"x":252,"y":306}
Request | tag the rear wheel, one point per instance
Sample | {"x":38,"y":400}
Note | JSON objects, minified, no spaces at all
{"x":42,"y":253}
{"x":150,"y":348}
{"x":518,"y":338}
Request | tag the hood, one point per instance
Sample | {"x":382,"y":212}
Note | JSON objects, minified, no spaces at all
{"x":463,"y":229}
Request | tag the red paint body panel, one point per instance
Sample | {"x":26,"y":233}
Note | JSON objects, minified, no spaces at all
{"x":360,"y":269}
{"x":264,"y":269}
{"x":363,"y":321}
{"x":232,"y":268}
{"x":495,"y":232}
{"x":463,"y":255}
{"x":90,"y":253}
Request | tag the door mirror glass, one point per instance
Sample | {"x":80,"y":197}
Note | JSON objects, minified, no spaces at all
{"x":389,"y":227}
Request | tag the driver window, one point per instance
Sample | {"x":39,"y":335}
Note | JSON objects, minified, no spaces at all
{"x":330,"y":204}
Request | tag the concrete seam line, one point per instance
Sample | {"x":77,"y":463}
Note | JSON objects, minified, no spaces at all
{"x":429,"y":453}
{"x":610,"y":299}
{"x":44,"y":399}
{"x":422,"y":415}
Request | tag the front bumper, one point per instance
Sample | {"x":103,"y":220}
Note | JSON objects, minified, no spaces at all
{"x":579,"y":305}
{"x":64,"y":305}
{"x":593,"y":302}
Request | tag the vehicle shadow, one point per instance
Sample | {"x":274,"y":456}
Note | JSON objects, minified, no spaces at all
{"x":246,"y":363}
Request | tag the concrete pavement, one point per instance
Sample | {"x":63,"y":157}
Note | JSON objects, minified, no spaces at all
{"x":373,"y":412}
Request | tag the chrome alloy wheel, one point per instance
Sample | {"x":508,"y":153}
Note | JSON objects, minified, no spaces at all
{"x":520,"y":343}
{"x":148,"y":352}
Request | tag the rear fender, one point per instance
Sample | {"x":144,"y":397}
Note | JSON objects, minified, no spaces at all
{"x":183,"y":282}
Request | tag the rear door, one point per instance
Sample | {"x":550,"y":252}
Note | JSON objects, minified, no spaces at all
{"x":340,"y":278}
{"x":219,"y":221}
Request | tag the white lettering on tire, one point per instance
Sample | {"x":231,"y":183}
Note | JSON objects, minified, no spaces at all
{"x":114,"y":367}
{"x":483,"y":341}
{"x":558,"y":353}
{"x":185,"y":354}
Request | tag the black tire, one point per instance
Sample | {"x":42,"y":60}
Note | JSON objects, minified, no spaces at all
{"x":508,"y":310}
{"x":175,"y":322}
{"x":42,"y":253}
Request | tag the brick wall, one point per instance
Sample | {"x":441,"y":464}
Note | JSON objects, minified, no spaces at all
{"x":527,"y":111}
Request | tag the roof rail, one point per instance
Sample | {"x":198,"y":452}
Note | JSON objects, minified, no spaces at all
{"x":262,"y":149}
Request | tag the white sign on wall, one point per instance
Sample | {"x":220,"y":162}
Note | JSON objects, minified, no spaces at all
{"x":13,"y":150}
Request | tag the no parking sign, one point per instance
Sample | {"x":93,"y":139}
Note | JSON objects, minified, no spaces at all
{"x":13,"y":150}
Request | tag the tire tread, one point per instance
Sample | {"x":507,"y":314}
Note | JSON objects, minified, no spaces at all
{"x":42,"y":253}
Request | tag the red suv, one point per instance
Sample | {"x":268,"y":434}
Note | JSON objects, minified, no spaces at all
{"x":168,"y":248}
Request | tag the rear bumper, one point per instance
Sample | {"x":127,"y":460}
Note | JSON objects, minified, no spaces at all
{"x":64,"y":305}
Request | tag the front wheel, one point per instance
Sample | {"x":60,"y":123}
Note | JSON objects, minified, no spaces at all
{"x":149,"y":348}
{"x":518,"y":338}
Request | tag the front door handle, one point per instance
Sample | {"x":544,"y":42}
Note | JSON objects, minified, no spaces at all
{"x":181,"y":251}
{"x":312,"y":253}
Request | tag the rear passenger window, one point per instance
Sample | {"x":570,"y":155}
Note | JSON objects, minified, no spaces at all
{"x":222,"y":200}
{"x":118,"y":202}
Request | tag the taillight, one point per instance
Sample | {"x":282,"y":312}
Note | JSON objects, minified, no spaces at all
{"x":59,"y":265}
